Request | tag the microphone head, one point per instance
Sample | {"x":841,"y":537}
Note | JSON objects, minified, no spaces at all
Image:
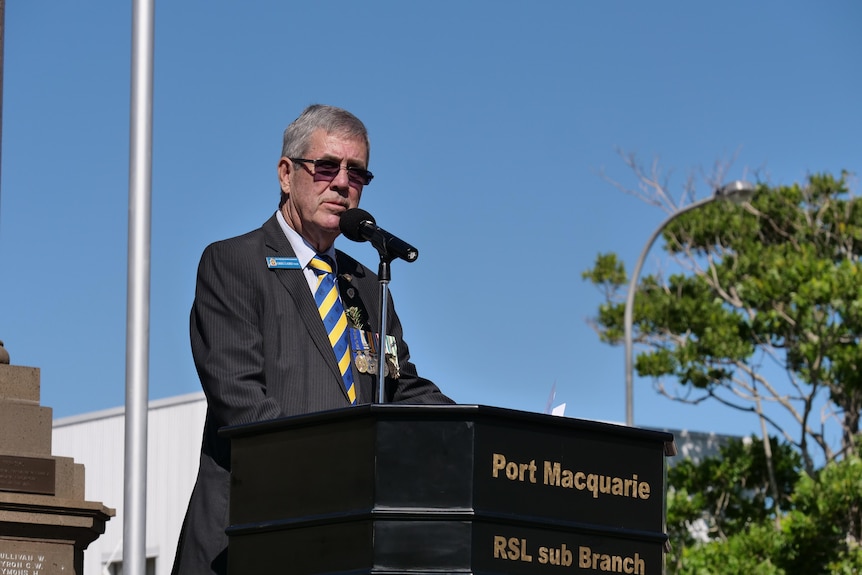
{"x":351,"y":224}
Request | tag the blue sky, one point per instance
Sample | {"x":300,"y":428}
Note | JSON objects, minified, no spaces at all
{"x":491,"y":124}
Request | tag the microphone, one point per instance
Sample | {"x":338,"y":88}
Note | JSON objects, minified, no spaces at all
{"x":359,"y":226}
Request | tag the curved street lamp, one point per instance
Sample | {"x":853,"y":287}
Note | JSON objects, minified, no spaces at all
{"x":736,"y":191}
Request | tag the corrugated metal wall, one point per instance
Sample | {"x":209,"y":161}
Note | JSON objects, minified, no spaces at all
{"x":173,"y":450}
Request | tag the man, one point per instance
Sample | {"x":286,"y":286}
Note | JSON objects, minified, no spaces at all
{"x":259,"y":342}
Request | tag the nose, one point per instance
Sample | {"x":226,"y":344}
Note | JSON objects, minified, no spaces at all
{"x":341,"y":181}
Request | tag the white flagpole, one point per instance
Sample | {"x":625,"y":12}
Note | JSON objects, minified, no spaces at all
{"x":138,"y":290}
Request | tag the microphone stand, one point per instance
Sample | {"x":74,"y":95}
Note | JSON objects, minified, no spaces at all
{"x":384,"y":276}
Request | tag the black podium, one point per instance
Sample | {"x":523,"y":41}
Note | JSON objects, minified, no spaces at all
{"x":445,"y":489}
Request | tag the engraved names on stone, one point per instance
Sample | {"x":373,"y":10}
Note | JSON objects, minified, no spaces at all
{"x":24,"y":562}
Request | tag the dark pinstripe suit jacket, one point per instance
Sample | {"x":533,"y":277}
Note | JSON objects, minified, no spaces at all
{"x":261,"y":352}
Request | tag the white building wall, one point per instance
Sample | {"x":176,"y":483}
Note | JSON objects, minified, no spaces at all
{"x":173,"y":450}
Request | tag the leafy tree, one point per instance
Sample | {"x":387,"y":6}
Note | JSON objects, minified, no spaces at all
{"x":772,"y":286}
{"x":751,"y":552}
{"x":819,"y":533}
{"x":763,"y":313}
{"x":823,"y":530}
{"x":724,"y":497}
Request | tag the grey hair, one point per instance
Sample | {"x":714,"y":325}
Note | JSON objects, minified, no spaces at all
{"x":297,"y":136}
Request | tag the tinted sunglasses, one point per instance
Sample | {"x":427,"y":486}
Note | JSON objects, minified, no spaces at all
{"x":327,"y":170}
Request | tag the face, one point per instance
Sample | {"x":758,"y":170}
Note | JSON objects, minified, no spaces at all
{"x":313,"y":208}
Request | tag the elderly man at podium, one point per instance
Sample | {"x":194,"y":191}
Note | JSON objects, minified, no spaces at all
{"x":284,"y":324}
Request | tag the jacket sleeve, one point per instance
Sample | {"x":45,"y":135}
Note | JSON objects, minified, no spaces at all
{"x":227,"y":339}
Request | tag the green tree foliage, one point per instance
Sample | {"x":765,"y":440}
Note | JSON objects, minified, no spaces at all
{"x":773,"y":283}
{"x":817,"y":533}
{"x":823,"y":529}
{"x":733,"y":489}
{"x":763,"y":313}
{"x":724,"y":505}
{"x":750,"y":552}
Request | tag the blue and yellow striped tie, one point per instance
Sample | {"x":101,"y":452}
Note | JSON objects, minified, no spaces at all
{"x":334,"y":320}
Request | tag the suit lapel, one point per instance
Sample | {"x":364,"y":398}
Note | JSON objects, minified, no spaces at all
{"x":294,"y":281}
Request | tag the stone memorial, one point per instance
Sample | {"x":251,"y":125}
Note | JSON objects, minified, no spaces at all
{"x":45,"y":522}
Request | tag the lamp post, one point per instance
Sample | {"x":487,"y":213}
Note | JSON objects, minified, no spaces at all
{"x":736,"y":191}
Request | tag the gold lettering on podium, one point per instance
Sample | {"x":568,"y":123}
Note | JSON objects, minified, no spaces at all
{"x":555,"y":475}
{"x":515,"y":549}
{"x":555,"y":556}
{"x":631,"y":565}
{"x":511,"y":549}
{"x":512,"y":470}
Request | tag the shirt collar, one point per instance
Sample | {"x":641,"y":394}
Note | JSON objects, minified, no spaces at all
{"x":303,"y":250}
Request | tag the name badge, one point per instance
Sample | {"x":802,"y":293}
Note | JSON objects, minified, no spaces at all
{"x":275,"y":263}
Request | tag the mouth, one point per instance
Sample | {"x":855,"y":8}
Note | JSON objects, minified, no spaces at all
{"x":336,"y":207}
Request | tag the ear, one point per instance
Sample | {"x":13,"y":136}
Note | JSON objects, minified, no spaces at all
{"x":285,"y":168}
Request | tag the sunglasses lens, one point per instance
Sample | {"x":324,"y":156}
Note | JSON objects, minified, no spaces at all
{"x":326,"y":169}
{"x":358,"y":176}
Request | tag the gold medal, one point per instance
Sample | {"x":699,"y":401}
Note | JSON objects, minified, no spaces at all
{"x":361,"y":362}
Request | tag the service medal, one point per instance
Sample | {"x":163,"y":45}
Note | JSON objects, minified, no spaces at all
{"x":361,"y":362}
{"x":392,"y":366}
